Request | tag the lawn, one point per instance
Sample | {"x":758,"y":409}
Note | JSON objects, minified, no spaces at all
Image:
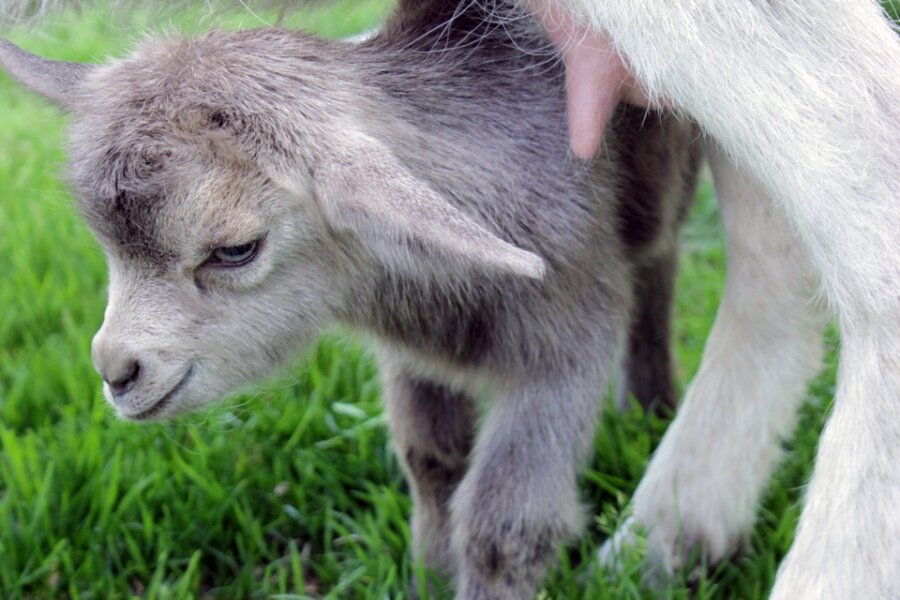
{"x":292,"y":492}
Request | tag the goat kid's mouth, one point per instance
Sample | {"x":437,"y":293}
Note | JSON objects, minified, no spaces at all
{"x":157,"y":407}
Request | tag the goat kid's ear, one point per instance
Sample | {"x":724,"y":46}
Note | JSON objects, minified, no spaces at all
{"x":56,"y":81}
{"x":364,"y":190}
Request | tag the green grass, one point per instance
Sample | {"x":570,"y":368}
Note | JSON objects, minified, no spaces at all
{"x":293,"y":492}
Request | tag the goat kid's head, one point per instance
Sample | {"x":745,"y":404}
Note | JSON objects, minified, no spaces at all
{"x":235,"y":190}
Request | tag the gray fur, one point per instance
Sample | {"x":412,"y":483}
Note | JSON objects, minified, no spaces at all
{"x":416,"y":187}
{"x":31,"y":11}
{"x":54,"y":80}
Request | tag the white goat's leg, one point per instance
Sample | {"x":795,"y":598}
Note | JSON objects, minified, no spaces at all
{"x":433,"y":429}
{"x":705,"y":480}
{"x":519,"y":499}
{"x":848,"y":541}
{"x":804,"y":94}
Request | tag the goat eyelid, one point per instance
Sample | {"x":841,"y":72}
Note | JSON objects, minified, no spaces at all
{"x":237,"y":255}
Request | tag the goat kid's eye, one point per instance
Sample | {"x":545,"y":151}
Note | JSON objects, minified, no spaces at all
{"x":234,"y":256}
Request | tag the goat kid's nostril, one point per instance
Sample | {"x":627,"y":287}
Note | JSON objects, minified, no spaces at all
{"x":122,"y":384}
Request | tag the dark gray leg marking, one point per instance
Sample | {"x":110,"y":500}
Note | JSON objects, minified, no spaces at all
{"x":433,"y":429}
{"x":648,"y":368}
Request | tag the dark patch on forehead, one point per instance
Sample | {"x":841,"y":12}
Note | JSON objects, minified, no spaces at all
{"x":134,"y":223}
{"x":461,"y":327}
{"x":122,"y":195}
{"x":130,"y":222}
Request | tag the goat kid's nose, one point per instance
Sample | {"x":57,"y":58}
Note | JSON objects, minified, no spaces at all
{"x":118,"y":367}
{"x":123,"y":378}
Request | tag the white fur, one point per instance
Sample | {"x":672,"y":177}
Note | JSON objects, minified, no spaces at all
{"x":805,"y":95}
{"x":706,"y":478}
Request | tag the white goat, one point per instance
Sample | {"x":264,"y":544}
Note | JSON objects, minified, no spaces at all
{"x":803,"y":96}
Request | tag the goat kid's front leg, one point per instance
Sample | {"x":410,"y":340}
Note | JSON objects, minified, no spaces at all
{"x":433,"y":429}
{"x":519,"y":498}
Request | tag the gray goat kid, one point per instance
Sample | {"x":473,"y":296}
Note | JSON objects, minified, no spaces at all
{"x":250,"y":188}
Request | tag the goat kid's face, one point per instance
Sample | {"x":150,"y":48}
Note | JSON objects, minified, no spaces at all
{"x":216,"y":272}
{"x":235,"y":220}
{"x":214,"y":279}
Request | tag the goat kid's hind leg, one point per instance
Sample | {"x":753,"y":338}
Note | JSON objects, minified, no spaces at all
{"x":648,"y":372}
{"x":433,"y":429}
{"x":705,"y":480}
{"x":519,"y":499}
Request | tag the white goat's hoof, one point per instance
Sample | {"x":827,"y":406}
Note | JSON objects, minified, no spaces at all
{"x":627,"y":542}
{"x":665,"y":551}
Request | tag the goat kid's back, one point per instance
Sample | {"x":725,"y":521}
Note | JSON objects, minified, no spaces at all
{"x":477,"y":110}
